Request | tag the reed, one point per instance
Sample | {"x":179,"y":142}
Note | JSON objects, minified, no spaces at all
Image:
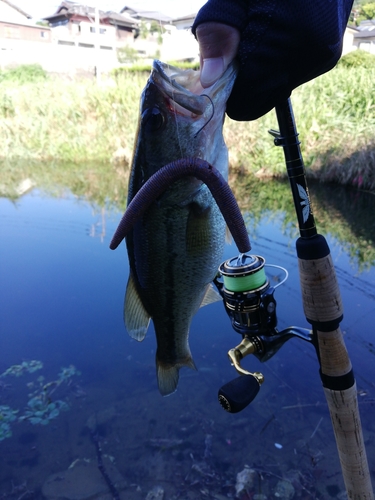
{"x":50,"y":118}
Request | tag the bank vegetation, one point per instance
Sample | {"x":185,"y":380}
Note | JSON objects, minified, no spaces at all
{"x":45,"y":118}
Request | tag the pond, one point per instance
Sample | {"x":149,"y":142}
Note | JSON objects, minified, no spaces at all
{"x":76,"y":386}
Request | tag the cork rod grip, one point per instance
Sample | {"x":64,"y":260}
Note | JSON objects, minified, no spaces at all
{"x":343,"y":408}
{"x":323,"y":309}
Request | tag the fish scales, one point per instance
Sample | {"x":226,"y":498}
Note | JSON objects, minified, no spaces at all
{"x":176,"y":247}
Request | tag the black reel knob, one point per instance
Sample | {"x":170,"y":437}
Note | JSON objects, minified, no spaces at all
{"x":238,"y":393}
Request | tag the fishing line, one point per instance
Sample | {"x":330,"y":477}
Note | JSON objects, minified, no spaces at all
{"x":210,"y":118}
{"x":177,"y":126}
{"x":173,"y":100}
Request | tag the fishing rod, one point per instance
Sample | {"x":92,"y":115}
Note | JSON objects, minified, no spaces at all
{"x":250,"y":304}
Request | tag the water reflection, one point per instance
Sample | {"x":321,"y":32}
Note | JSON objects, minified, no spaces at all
{"x":61,"y":294}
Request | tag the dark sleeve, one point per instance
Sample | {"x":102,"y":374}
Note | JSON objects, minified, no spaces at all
{"x":284,"y":43}
{"x":229,"y":12}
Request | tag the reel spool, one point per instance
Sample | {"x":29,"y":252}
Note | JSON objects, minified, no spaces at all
{"x":248,"y":296}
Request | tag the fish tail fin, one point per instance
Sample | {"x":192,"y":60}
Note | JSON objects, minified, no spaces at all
{"x":168,"y":374}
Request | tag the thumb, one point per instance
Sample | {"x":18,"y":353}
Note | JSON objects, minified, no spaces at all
{"x":218,"y":44}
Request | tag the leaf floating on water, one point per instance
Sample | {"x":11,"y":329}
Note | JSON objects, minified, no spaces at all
{"x":54,"y":413}
{"x":35,"y":420}
{"x":25,"y":366}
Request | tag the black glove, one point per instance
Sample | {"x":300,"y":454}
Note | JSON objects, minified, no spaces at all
{"x":283,"y":44}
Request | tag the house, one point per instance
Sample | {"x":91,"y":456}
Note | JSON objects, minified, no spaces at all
{"x":20,"y":37}
{"x":364,"y":38}
{"x":146,"y":15}
{"x":348,"y":41}
{"x":15,"y":24}
{"x":79,"y":44}
{"x":184,"y":22}
{"x":360,"y":37}
{"x":71,"y":42}
{"x":162,"y":36}
{"x":74,"y":24}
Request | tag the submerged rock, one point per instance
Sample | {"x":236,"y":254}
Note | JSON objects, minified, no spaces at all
{"x":245,"y":480}
{"x":285,"y":490}
{"x":83,"y":481}
{"x":157,"y":493}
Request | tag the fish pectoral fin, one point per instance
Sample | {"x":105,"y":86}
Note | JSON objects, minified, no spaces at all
{"x":168,"y":375}
{"x":211,"y":295}
{"x":136,"y":317}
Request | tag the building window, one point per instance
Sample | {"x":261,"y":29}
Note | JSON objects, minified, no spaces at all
{"x":102,"y":31}
{"x":43,"y":34}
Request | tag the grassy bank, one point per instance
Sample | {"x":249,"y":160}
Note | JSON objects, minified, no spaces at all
{"x":335,"y":116}
{"x":69,"y":121}
{"x":44,"y":119}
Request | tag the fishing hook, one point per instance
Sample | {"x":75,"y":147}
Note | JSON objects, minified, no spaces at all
{"x":210,"y":118}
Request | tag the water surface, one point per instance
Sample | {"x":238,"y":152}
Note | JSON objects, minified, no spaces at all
{"x":62,"y":291}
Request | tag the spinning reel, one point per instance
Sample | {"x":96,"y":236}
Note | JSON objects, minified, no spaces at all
{"x":250,"y":304}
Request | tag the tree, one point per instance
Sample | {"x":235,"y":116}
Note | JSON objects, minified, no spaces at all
{"x":367,"y":10}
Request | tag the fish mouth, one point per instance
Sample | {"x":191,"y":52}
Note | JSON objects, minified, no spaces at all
{"x":183,"y":88}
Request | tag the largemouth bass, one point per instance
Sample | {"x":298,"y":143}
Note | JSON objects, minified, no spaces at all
{"x":176,"y":247}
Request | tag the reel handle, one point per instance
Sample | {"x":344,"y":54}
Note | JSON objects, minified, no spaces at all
{"x":238,"y":393}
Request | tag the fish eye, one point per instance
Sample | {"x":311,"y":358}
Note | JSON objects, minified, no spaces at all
{"x":152,"y":119}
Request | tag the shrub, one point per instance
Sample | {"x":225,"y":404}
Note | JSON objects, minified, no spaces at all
{"x":25,"y":73}
{"x":358,"y":58}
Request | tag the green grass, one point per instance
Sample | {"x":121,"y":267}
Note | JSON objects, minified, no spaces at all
{"x":139,"y":67}
{"x":56,"y":119}
{"x":335,"y":117}
{"x":45,"y":118}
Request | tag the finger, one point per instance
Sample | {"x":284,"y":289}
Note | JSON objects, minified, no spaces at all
{"x":218,"y":44}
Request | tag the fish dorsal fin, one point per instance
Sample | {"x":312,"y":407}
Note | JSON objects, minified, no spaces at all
{"x":210,"y":296}
{"x":136,"y":317}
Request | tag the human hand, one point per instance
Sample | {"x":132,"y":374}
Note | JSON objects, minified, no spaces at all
{"x":279,"y":45}
{"x":218,"y":44}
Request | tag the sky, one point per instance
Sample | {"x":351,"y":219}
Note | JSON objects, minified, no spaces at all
{"x":174,"y":8}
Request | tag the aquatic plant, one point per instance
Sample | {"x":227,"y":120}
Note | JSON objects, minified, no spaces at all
{"x":41,"y":409}
{"x":6,"y":415}
{"x":24,"y":367}
{"x":68,"y":372}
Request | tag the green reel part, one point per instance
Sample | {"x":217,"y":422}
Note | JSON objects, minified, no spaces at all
{"x":244,"y":273}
